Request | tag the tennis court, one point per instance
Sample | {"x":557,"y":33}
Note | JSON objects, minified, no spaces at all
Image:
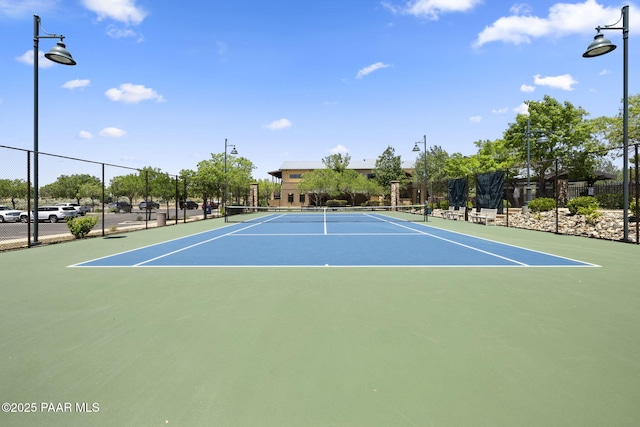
{"x":346,"y":238}
{"x":403,"y":345}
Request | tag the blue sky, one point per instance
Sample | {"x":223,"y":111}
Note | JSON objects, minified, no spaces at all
{"x":163,"y":84}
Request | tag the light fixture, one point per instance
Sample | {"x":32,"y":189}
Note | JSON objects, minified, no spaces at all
{"x":599,"y":46}
{"x":424,"y":194}
{"x":224,"y":196}
{"x":61,"y":55}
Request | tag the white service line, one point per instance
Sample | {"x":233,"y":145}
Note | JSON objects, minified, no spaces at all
{"x":194,"y":245}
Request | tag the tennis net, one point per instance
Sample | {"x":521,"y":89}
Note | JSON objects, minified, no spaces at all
{"x":412,"y":213}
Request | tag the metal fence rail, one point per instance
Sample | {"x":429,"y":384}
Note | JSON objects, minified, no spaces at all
{"x":16,"y":193}
{"x":562,"y":186}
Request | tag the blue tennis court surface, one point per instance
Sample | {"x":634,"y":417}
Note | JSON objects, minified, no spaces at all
{"x":374,"y":241}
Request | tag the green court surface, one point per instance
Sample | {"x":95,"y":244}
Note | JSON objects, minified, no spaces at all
{"x":276,"y":346}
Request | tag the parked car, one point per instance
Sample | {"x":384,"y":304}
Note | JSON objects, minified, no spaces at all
{"x":148,"y":204}
{"x":188,"y":204}
{"x":51,"y":213}
{"x":9,"y":215}
{"x":120,"y":206}
{"x":82,"y":210}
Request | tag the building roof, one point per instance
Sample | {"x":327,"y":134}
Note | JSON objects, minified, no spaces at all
{"x":366,"y":164}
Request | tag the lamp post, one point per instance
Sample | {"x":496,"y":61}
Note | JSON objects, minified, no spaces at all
{"x":417,"y":149}
{"x":600,"y":46}
{"x":224,"y":196}
{"x":61,"y":55}
{"x":541,"y":139}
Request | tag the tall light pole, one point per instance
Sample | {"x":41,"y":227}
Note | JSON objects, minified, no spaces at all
{"x":61,"y":55}
{"x":224,"y":196}
{"x":424,"y":194}
{"x":600,"y":46}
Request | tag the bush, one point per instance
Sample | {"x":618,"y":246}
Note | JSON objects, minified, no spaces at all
{"x":372,"y":203}
{"x":610,"y":200}
{"x":542,"y":204}
{"x":632,"y":207}
{"x":336,"y":203}
{"x":444,"y":204}
{"x":81,"y":226}
{"x":583,"y":205}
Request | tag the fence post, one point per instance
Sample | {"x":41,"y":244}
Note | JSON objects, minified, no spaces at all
{"x":556,"y":196}
{"x":637,"y":211}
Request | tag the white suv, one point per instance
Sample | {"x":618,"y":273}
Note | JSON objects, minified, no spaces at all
{"x":51,"y":213}
{"x":82,"y":210}
{"x":9,"y":215}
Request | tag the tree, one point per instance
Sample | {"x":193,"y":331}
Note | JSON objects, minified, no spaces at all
{"x":71,"y":187}
{"x":352,"y":183}
{"x":389,"y":168}
{"x":13,"y":190}
{"x":161,"y":186}
{"x":318,"y":184}
{"x":568,"y":138}
{"x":436,"y":158}
{"x":129,"y":186}
{"x":239,"y":171}
{"x":337,"y":162}
{"x":266,"y":190}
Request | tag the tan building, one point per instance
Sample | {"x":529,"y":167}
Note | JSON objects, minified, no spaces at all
{"x":291,"y":172}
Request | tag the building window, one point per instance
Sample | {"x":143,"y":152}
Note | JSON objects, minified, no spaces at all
{"x":290,"y":198}
{"x":302,"y":198}
{"x":295,"y":175}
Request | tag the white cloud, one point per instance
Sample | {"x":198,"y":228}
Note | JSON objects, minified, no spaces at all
{"x":123,"y":11}
{"x":77,"y":83}
{"x":522,"y":109}
{"x":500,"y":110}
{"x":112,"y":132}
{"x":371,"y":68}
{"x":604,"y":72}
{"x":527,"y":88}
{"x":132,"y":94}
{"x":85,"y":135}
{"x":563,"y":19}
{"x":27,"y":58}
{"x":279,"y":124}
{"x":121,"y":33}
{"x":475,"y":119}
{"x":564,"y":82}
{"x":339,"y":149}
{"x":432,"y":9}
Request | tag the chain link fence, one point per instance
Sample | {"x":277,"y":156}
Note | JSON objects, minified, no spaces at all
{"x":99,"y":189}
{"x":561,"y":184}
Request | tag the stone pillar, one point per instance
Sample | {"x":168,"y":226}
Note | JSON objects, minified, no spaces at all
{"x":395,"y":194}
{"x":253,"y":194}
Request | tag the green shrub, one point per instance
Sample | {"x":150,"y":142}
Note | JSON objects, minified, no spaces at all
{"x":81,"y":226}
{"x":542,"y":204}
{"x":583,"y":205}
{"x":372,"y":203}
{"x":610,"y":200}
{"x":444,"y":204}
{"x":632,"y":207}
{"x":336,"y":203}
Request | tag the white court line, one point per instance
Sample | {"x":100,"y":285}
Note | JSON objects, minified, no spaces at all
{"x":463,"y":245}
{"x":192,"y":246}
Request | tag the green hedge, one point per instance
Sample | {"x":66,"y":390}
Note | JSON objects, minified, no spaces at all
{"x":336,"y":203}
{"x":542,"y":204}
{"x":583,"y":205}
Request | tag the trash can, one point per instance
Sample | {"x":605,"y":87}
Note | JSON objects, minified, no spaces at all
{"x":161,"y":219}
{"x":208,"y":209}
